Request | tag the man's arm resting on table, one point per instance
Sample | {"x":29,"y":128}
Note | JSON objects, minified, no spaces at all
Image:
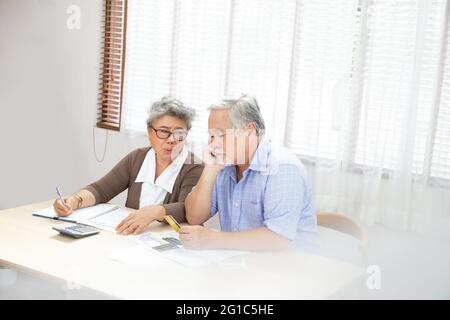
{"x":260,"y":239}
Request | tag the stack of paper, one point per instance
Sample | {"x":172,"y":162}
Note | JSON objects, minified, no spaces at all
{"x":80,"y":215}
{"x":103,"y":216}
{"x":109,"y":220}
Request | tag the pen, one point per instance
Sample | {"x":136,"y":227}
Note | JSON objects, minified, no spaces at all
{"x":60,"y":197}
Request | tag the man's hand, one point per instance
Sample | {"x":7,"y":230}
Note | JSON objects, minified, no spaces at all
{"x":197,"y":237}
{"x":214,"y":158}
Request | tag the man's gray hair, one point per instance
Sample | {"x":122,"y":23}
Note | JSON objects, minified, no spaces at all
{"x":243,"y":110}
{"x":169,"y":106}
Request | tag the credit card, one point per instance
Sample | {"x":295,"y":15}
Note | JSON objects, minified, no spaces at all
{"x":173,"y":223}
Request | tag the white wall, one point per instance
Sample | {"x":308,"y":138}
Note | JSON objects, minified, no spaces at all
{"x":48,"y":101}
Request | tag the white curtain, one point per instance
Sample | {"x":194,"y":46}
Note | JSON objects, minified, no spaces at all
{"x":383,"y":130}
{"x":360,"y":90}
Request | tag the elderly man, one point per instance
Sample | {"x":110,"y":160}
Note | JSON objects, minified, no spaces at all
{"x":261,"y":193}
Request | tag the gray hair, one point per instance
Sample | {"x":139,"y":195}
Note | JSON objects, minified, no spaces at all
{"x":169,"y":106}
{"x":243,"y":110}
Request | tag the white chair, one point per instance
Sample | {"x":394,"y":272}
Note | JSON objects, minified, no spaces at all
{"x":342,"y":237}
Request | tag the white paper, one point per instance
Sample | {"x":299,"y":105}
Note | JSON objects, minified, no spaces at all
{"x":138,"y":256}
{"x":80,"y":215}
{"x":186,"y":257}
{"x":197,"y":258}
{"x":147,"y":239}
{"x":110,"y":220}
{"x":152,"y":239}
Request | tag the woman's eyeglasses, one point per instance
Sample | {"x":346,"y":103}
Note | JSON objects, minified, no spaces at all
{"x":178,"y":134}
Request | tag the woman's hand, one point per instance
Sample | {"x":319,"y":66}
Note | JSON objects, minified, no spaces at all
{"x":63,"y":210}
{"x":137,"y":221}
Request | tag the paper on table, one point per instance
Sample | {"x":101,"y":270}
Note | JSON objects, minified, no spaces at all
{"x":138,"y":256}
{"x":80,"y":215}
{"x":197,"y":258}
{"x":148,"y":239}
{"x":191,"y":258}
{"x":108,"y":221}
{"x":154,"y":238}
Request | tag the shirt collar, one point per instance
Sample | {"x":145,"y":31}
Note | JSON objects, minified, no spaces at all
{"x":260,"y":160}
{"x":230,"y":170}
{"x":167,"y":178}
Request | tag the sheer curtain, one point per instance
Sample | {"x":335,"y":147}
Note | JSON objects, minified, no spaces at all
{"x":204,"y":50}
{"x":358,"y":89}
{"x":389,"y":158}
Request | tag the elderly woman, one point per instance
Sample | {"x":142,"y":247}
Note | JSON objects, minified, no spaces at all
{"x":158,"y":178}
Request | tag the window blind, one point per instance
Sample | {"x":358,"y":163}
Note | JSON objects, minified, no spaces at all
{"x":440,"y":159}
{"x":204,"y":50}
{"x":175,"y":48}
{"x":323,"y":59}
{"x":112,"y":66}
{"x":404,"y":36}
{"x":345,"y":81}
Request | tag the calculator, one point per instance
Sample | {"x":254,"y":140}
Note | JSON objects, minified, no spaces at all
{"x":77,"y":230}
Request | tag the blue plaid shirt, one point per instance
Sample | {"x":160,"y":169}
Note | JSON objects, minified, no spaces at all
{"x":274,"y":192}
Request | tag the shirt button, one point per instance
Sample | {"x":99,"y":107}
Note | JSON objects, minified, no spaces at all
{"x":236,"y":204}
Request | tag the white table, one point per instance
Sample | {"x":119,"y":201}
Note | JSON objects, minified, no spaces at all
{"x":29,"y":244}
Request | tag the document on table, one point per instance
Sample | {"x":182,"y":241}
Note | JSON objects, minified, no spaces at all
{"x":139,"y":256}
{"x":109,"y":220}
{"x":152,"y":239}
{"x":142,"y":256}
{"x":181,"y":255}
{"x":198,"y":258}
{"x":103,"y":216}
{"x":80,"y":215}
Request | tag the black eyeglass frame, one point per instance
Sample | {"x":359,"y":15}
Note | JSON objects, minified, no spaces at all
{"x":165,"y":134}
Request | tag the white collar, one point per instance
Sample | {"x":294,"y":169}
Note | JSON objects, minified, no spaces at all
{"x":167,"y":178}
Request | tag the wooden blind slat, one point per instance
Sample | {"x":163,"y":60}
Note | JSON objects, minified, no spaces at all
{"x":110,"y":115}
{"x":109,"y":86}
{"x":112,"y":65}
{"x":110,"y":100}
{"x":111,"y":94}
{"x":112,"y":53}
{"x":109,"y":111}
{"x":107,"y":106}
{"x":111,"y":76}
{"x":111,"y":121}
{"x":111,"y":60}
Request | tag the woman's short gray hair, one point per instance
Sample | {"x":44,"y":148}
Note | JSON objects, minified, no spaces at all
{"x":169,"y":106}
{"x":243,"y":110}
